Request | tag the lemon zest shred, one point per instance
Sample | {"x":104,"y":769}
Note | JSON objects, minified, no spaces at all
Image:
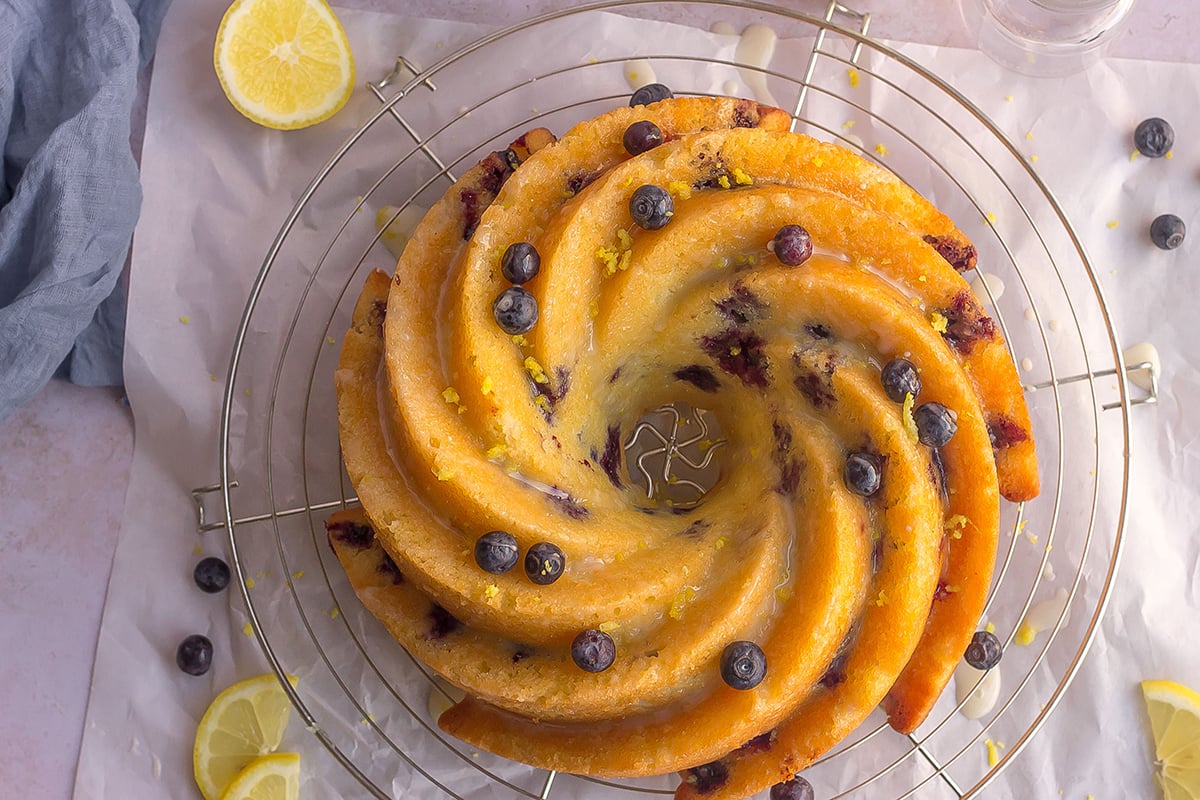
{"x":535,"y":370}
{"x":680,"y":189}
{"x":906,"y":412}
{"x":681,"y":599}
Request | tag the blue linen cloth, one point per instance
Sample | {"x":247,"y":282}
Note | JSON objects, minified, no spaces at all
{"x":69,"y":192}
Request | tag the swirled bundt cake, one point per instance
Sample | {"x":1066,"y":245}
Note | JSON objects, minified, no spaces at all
{"x":691,"y":251}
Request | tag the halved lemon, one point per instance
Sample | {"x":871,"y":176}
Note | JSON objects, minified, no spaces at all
{"x":284,"y":64}
{"x":273,"y":777}
{"x":244,"y":722}
{"x":1174,"y":712}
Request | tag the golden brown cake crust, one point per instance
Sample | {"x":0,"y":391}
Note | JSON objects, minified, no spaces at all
{"x":452,"y":428}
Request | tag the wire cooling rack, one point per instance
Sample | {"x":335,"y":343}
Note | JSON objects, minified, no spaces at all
{"x":361,"y":695}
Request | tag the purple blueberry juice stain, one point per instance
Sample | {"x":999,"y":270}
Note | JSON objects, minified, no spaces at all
{"x":740,"y":353}
{"x":610,"y":460}
{"x":961,"y":257}
{"x":699,"y":376}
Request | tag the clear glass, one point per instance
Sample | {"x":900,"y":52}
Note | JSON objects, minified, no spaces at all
{"x":1046,"y":38}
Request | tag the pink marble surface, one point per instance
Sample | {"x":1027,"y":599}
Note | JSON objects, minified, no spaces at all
{"x":64,"y":458}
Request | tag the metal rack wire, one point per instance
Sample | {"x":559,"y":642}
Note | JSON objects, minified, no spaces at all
{"x":364,"y":698}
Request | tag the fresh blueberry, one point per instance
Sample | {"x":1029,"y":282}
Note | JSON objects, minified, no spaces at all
{"x":650,"y":93}
{"x":211,"y":574}
{"x":936,"y":424}
{"x":1154,"y":137}
{"x":515,"y":310}
{"x":651,"y":207}
{"x":496,"y":552}
{"x":795,"y":789}
{"x":793,"y":245}
{"x":642,"y":136}
{"x":900,"y":379}
{"x":593,"y":650}
{"x":520,"y":263}
{"x":863,"y":473}
{"x":743,"y":665}
{"x":984,"y":651}
{"x":194,"y":655}
{"x":1167,"y":231}
{"x":544,"y":563}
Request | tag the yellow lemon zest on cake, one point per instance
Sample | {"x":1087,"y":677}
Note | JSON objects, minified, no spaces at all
{"x":783,"y":593}
{"x":608,"y":627}
{"x":542,"y":402}
{"x":956,"y":525}
{"x":881,"y":598}
{"x":450,"y":395}
{"x":741,"y":177}
{"x":608,"y":258}
{"x":680,"y":189}
{"x":491,"y":590}
{"x":938,"y":321}
{"x":735,"y":351}
{"x":486,"y":386}
{"x":535,"y":370}
{"x":723,"y":181}
{"x":496,"y":451}
{"x":624,"y":238}
{"x":681,"y":599}
{"x":906,"y":414}
{"x":720,"y":542}
{"x":953,"y":588}
{"x":519,"y":340}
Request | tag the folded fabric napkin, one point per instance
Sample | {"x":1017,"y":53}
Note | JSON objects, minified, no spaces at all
{"x":69,"y":194}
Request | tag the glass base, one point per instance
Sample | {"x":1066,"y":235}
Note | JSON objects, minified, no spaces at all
{"x":1045,"y":38}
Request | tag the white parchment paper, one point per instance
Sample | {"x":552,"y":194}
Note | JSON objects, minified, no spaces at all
{"x":218,"y":187}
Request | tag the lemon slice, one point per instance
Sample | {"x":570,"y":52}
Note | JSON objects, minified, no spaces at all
{"x":1175,"y":720}
{"x":273,"y":777}
{"x":244,"y":722}
{"x":284,"y":64}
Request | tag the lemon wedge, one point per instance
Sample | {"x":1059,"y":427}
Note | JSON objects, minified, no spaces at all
{"x":284,"y":64}
{"x":273,"y":777}
{"x":1175,"y":721}
{"x":244,"y":722}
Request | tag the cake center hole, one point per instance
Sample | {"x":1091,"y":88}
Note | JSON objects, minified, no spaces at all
{"x":673,"y":454}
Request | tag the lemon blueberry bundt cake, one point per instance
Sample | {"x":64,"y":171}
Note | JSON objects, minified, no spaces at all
{"x":687,"y":251}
